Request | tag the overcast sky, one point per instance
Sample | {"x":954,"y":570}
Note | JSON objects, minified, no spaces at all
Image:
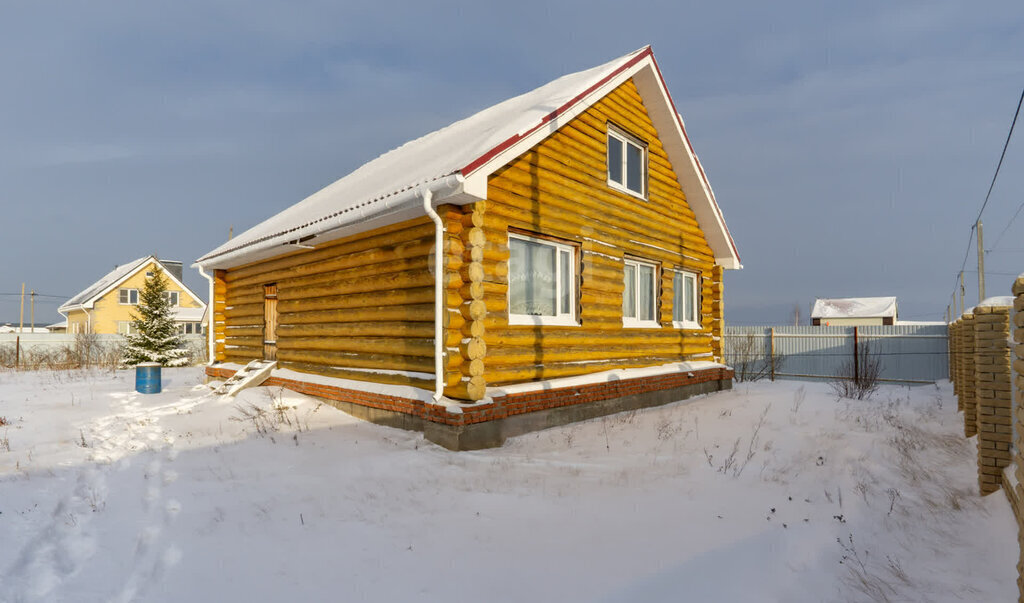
{"x":850,"y":145}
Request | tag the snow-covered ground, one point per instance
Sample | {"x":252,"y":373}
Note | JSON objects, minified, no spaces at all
{"x":771,"y":492}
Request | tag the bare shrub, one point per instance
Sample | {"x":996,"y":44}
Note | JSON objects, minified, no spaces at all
{"x":858,"y":380}
{"x":269,"y":419}
{"x":750,"y":357}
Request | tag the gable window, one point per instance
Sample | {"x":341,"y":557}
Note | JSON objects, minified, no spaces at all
{"x":541,"y":282}
{"x":172,"y":297}
{"x":686,"y":300}
{"x":149,"y":274}
{"x":128,"y":296}
{"x":627,"y":162}
{"x":640,"y":295}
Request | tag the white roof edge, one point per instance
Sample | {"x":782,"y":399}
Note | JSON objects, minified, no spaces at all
{"x":442,"y":189}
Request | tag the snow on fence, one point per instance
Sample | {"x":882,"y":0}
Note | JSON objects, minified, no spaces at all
{"x":906,"y":353}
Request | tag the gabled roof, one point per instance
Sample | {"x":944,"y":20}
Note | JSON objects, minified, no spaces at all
{"x":854,"y":307}
{"x":454,"y":163}
{"x":87,"y":298}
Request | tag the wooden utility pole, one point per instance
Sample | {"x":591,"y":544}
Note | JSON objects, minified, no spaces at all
{"x":32,"y":310}
{"x":981,"y":266}
{"x":21,"y":316}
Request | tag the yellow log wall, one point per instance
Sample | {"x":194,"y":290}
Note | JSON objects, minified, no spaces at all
{"x":347,"y":308}
{"x":559,"y":188}
{"x":366,"y":301}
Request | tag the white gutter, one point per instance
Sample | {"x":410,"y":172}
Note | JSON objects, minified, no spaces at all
{"x":209,"y":308}
{"x":428,"y":196}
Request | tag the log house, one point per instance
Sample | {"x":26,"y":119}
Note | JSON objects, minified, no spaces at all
{"x":579,"y":235}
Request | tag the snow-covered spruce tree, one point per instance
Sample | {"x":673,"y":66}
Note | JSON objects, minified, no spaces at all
{"x":156,"y":337}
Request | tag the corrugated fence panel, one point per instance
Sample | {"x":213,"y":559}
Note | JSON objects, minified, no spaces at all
{"x":907,"y":353}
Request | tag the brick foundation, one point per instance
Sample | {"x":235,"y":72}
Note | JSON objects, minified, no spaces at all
{"x":486,"y":425}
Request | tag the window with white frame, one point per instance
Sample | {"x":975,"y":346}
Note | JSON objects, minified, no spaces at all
{"x":128,"y":296}
{"x":126,"y":327}
{"x":627,"y":162}
{"x":191,"y":328}
{"x":541,"y":281}
{"x":172,"y":298}
{"x":640,"y":295}
{"x":686,"y":300}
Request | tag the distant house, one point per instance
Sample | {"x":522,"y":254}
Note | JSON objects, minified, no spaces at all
{"x":854,"y":311}
{"x":576,"y":232}
{"x":107,"y":306}
{"x":58,"y":327}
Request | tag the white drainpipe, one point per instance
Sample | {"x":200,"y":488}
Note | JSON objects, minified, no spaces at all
{"x":428,"y":196}
{"x":209,"y":328}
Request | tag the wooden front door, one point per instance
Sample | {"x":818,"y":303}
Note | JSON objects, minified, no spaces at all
{"x":270,"y":322}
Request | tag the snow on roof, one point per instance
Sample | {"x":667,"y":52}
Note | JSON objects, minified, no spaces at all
{"x":58,"y":325}
{"x":854,"y":307}
{"x":108,"y":280}
{"x":389,"y":184}
{"x":115,"y":276}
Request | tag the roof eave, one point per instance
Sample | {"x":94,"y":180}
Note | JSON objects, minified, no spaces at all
{"x":402,"y":205}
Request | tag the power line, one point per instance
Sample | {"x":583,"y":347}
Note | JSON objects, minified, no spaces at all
{"x":1002,"y":155}
{"x":1008,"y":225}
{"x":991,"y":185}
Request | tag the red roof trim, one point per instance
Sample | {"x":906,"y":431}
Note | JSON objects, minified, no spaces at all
{"x":481,"y":160}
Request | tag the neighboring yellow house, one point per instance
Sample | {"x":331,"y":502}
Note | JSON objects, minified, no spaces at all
{"x":107,"y":306}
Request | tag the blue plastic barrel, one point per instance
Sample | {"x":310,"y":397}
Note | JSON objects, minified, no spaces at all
{"x":147,"y":378}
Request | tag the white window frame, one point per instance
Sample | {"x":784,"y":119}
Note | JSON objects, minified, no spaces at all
{"x":679,"y":302}
{"x":125,"y":327}
{"x":129,"y":302}
{"x":627,"y":139}
{"x":562,"y":319}
{"x":632,"y":321}
{"x":177,"y":297}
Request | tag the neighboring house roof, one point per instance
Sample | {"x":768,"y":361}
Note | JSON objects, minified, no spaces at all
{"x":58,"y":325}
{"x":11,"y":328}
{"x":854,"y":307}
{"x":87,"y":298}
{"x":454,"y":162}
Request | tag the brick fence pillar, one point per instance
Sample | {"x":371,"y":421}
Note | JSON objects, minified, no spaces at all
{"x":993,"y":396}
{"x":1016,"y":494}
{"x":968,"y":395}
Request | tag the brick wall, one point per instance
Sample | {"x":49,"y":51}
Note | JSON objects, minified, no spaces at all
{"x":967,"y":389}
{"x":1013,"y":487}
{"x":992,"y":394}
{"x":500,"y":407}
